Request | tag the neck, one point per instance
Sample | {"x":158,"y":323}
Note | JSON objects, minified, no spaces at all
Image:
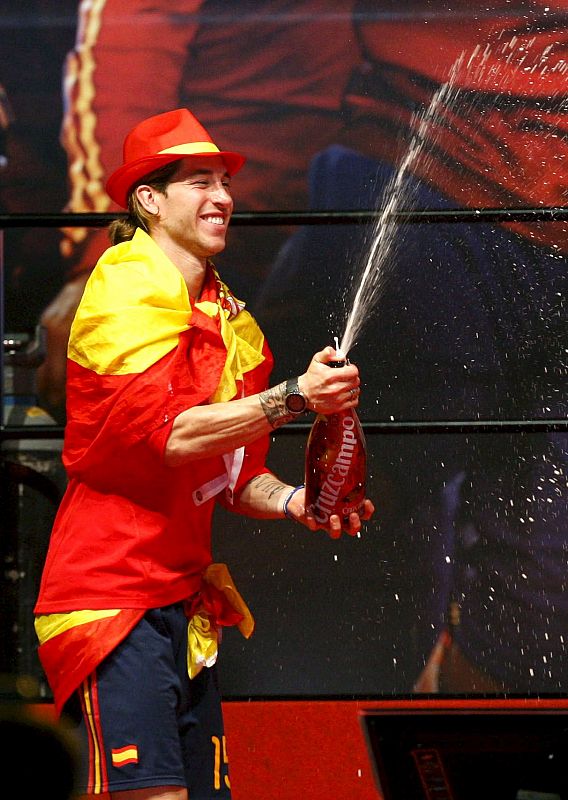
{"x":192,"y":267}
{"x":194,"y":277}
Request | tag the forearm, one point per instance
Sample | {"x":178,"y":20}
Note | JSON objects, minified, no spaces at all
{"x":262,"y":497}
{"x":219,"y":428}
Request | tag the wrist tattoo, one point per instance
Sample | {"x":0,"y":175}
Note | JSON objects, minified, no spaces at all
{"x":268,"y":484}
{"x":272,"y":402}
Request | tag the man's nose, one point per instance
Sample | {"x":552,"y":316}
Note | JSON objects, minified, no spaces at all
{"x":221,"y":194}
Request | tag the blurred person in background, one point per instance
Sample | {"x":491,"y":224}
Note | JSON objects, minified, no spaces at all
{"x":282,"y":102}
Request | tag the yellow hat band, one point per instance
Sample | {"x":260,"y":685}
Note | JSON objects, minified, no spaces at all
{"x":190,"y":148}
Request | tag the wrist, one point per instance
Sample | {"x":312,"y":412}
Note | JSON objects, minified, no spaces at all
{"x":295,"y":400}
{"x":286,"y":503}
{"x":273,"y":404}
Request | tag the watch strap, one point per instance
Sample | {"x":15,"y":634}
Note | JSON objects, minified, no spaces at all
{"x":292,"y":386}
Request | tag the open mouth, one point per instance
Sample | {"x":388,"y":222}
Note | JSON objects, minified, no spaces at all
{"x":214,"y":219}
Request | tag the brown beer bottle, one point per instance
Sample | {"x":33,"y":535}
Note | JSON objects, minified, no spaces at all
{"x":336,"y":465}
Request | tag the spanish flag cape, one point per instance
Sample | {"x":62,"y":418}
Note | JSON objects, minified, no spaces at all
{"x":131,"y":533}
{"x":141,"y":351}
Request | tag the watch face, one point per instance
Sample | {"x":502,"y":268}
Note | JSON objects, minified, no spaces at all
{"x":295,"y":402}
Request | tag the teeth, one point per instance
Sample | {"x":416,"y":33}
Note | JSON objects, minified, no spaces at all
{"x":215,"y":220}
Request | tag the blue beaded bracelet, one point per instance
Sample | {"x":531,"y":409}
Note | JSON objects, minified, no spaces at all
{"x":288,"y":498}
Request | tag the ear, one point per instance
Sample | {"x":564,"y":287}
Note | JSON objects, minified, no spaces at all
{"x":147,"y":198}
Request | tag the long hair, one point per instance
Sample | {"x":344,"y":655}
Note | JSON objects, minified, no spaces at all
{"x":123,"y":228}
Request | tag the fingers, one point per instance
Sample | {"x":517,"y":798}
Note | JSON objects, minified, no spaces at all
{"x":334,"y":527}
{"x":304,"y":515}
{"x":353,"y":398}
{"x":326,"y":355}
{"x":330,"y":390}
{"x":368,"y":510}
{"x":355,"y":521}
{"x":310,"y":521}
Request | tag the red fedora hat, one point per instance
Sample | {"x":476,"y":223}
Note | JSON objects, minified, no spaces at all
{"x":158,"y":141}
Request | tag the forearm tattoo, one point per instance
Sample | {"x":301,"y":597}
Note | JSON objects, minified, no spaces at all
{"x":268,"y":485}
{"x":272,"y":402}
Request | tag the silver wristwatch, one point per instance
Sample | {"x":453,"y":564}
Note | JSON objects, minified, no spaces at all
{"x":294,"y":400}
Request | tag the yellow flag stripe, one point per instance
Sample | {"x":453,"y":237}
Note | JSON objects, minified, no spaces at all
{"x":136,"y":306}
{"x":90,"y":721}
{"x":130,"y":754}
{"x":49,"y":625}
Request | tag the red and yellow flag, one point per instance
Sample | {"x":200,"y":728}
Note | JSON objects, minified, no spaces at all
{"x":128,"y":535}
{"x":140,"y":351}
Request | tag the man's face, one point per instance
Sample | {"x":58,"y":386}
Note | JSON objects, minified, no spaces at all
{"x":197,"y":206}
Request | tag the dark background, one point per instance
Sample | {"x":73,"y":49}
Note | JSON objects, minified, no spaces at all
{"x":470,"y":327}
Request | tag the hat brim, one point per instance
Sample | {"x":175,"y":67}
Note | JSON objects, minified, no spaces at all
{"x":120,"y":182}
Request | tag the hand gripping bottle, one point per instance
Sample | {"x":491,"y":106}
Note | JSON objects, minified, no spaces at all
{"x":336,"y":464}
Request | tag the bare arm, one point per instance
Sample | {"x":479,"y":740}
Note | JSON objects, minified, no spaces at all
{"x":219,"y":428}
{"x":222,"y":427}
{"x":263,"y":498}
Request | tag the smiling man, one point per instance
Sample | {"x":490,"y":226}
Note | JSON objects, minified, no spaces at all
{"x":168,"y":414}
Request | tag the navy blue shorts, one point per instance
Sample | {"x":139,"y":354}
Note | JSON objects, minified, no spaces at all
{"x":142,"y":722}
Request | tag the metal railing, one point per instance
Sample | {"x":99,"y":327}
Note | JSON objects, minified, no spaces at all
{"x":264,"y":218}
{"x":294,"y":218}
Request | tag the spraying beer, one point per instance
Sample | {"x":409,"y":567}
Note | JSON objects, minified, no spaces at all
{"x":336,"y":463}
